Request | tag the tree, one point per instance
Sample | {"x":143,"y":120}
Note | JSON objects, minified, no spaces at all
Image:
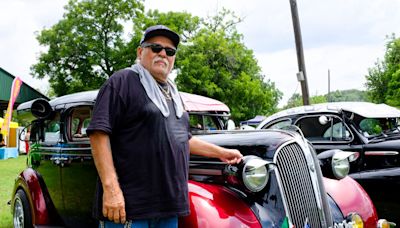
{"x":296,"y":100}
{"x":383,"y":80}
{"x":339,"y":95}
{"x":348,"y":95}
{"x":216,"y":63}
{"x":87,"y":45}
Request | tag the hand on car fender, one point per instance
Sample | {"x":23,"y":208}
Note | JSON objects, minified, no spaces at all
{"x":114,"y":204}
{"x":231,"y":156}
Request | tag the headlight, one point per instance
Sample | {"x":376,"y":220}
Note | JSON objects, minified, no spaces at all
{"x":355,"y":220}
{"x":255,"y":174}
{"x":383,"y":223}
{"x":340,"y":167}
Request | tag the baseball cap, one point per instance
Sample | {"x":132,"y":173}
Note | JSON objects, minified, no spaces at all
{"x":160,"y":30}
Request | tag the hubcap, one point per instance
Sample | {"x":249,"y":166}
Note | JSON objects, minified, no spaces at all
{"x":18,"y":214}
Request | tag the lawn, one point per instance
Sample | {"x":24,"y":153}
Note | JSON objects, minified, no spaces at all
{"x":9,"y":170}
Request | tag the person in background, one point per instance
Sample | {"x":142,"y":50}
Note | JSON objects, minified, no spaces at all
{"x":26,"y":139}
{"x":2,"y":142}
{"x":140,"y":140}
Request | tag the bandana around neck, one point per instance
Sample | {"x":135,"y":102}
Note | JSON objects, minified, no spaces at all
{"x":154,"y":92}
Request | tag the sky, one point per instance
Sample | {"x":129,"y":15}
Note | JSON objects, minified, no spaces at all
{"x":345,"y":37}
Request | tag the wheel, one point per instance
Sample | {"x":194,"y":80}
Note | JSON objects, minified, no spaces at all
{"x":22,"y":216}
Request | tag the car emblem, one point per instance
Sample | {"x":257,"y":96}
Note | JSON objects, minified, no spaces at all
{"x":306,"y":225}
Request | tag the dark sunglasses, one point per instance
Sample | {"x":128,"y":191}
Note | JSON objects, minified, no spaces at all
{"x":157,"y":48}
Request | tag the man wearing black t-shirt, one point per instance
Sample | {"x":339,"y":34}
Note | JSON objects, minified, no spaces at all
{"x":141,"y":141}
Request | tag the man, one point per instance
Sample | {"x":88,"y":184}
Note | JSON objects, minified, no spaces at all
{"x":140,"y":140}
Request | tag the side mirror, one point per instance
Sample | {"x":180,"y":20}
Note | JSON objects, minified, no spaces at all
{"x":230,"y":125}
{"x":323,"y":120}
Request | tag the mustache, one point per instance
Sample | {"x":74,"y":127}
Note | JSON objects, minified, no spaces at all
{"x":158,"y":58}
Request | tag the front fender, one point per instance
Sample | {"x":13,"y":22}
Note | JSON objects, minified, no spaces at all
{"x":42,"y":208}
{"x":351,"y":197}
{"x":217,"y":206}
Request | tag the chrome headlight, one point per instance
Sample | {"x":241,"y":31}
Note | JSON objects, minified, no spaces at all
{"x":341,"y":163}
{"x":255,"y":174}
{"x":340,"y":167}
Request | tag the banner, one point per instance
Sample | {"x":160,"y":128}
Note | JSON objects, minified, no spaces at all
{"x":16,"y":86}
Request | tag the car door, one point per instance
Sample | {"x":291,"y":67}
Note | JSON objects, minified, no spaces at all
{"x":44,"y":155}
{"x":78,"y":174}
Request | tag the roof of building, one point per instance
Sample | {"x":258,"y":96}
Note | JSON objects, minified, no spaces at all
{"x":26,"y":93}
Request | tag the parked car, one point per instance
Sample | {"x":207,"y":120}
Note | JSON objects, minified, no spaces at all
{"x":279,"y":183}
{"x":370,"y":129}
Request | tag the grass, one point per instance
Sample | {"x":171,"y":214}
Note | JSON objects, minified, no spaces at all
{"x":9,"y":170}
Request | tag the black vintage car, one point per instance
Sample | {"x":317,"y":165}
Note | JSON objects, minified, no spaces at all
{"x":279,"y":184}
{"x":370,"y":129}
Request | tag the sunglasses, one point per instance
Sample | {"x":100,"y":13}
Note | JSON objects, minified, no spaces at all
{"x":157,"y":48}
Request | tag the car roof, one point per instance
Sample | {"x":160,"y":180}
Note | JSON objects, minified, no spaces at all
{"x":192,"y":102}
{"x":365,"y":109}
{"x":197,"y":103}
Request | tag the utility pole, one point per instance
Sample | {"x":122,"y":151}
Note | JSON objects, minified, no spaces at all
{"x":301,"y":75}
{"x":329,"y":85}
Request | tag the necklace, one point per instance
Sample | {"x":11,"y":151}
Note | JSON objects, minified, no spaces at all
{"x":165,"y":91}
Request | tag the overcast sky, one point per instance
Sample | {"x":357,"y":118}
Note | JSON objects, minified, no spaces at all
{"x":345,"y":36}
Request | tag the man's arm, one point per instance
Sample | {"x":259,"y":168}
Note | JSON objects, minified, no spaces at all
{"x":113,"y":199}
{"x":203,"y":148}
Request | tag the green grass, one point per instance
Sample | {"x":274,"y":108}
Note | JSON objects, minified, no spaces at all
{"x":9,"y":170}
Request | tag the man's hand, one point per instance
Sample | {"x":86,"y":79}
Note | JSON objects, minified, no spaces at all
{"x":114,"y":204}
{"x":230,"y":156}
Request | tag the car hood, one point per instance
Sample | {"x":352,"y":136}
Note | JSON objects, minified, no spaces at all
{"x":262,"y":143}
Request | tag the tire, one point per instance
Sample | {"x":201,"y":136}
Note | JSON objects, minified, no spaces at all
{"x":22,"y":216}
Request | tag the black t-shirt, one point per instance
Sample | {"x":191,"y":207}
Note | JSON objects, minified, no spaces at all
{"x":150,"y":152}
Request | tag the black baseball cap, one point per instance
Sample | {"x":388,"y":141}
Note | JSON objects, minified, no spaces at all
{"x":160,"y":30}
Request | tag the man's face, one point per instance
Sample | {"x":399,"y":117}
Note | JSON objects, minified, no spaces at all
{"x":158,"y":64}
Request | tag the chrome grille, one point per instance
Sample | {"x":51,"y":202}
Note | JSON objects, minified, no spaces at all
{"x":297,"y":187}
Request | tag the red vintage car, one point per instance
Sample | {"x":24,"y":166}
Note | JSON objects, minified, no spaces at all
{"x":279,"y":183}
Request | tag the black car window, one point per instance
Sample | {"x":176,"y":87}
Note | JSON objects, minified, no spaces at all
{"x":376,"y":126}
{"x":78,"y":122}
{"x":280,"y":125}
{"x":52,"y":130}
{"x":332,"y":129}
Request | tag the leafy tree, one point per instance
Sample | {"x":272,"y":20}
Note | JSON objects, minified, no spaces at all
{"x":296,"y":100}
{"x":383,"y":80}
{"x":347,"y":95}
{"x":216,"y":63}
{"x":87,"y":45}
{"x":339,"y":95}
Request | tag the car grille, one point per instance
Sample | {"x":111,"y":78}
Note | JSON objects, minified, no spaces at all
{"x":297,"y":187}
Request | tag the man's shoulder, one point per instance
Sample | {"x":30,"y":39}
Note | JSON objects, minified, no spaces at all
{"x":126,"y":72}
{"x":122,"y":77}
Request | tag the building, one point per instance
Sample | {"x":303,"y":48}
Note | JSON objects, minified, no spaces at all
{"x":26,"y":92}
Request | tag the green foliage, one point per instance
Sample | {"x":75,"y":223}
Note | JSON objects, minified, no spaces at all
{"x":215,"y":63}
{"x":9,"y":169}
{"x":347,"y":95}
{"x":86,"y":46}
{"x":383,"y":80}
{"x":336,"y":96}
{"x":296,"y":100}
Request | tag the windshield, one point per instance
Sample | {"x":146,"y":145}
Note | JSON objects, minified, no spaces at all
{"x":372,"y":127}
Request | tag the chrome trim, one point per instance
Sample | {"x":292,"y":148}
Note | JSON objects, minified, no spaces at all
{"x":321,"y":217}
{"x":212,"y":172}
{"x":380,"y":153}
{"x":65,"y":148}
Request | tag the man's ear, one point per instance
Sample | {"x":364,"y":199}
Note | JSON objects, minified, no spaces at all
{"x":139,"y":51}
